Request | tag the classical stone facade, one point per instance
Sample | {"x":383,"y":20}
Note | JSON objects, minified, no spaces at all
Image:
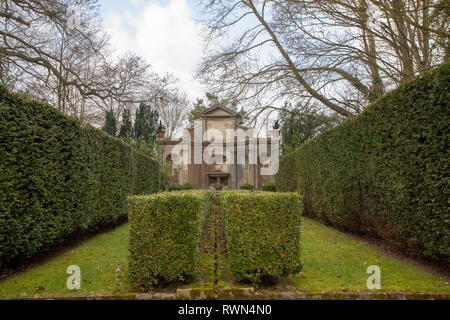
{"x":217,"y":149}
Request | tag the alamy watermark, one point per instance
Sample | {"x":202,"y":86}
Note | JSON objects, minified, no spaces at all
{"x":374,"y":281}
{"x":239,"y":147}
{"x":374,"y":16}
{"x":77,"y":15}
{"x":74,"y":280}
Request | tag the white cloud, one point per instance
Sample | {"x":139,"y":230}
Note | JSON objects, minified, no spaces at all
{"x":166,"y":36}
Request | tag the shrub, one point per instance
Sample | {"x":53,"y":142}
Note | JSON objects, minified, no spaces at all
{"x":228,"y":188}
{"x":179,"y":187}
{"x":262,"y":233}
{"x":60,"y":177}
{"x":384,"y":173}
{"x":165,"y":231}
{"x":247,"y":186}
{"x":269,"y":187}
{"x":175,"y":187}
{"x":188,"y":186}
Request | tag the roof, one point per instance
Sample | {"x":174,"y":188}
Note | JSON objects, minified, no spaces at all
{"x":218,"y":111}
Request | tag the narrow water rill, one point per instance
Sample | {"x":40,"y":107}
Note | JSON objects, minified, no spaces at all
{"x":216,"y":279}
{"x":213,"y":248}
{"x":215,"y":210}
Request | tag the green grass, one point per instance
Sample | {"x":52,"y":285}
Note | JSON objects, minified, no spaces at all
{"x":332,"y":261}
{"x":98,"y":259}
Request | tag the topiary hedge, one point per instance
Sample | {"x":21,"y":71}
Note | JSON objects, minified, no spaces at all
{"x":386,"y":172}
{"x":262,"y":233}
{"x":60,"y":178}
{"x":165,"y":232}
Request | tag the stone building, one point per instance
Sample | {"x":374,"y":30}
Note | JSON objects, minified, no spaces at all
{"x":218,"y":150}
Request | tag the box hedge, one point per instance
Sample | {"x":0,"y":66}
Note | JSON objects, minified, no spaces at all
{"x":247,"y":186}
{"x":262,"y":234}
{"x":165,"y":232}
{"x":386,"y":172}
{"x":60,"y":178}
{"x":269,"y":187}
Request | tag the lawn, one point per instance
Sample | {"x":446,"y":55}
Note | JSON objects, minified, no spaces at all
{"x":102,"y":260}
{"x":332,"y":262}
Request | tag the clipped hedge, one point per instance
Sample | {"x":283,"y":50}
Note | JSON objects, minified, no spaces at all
{"x":386,"y":172}
{"x":179,"y":187}
{"x":287,"y":176}
{"x":269,"y":187}
{"x":165,"y":232}
{"x":175,"y":187}
{"x":60,"y":177}
{"x":262,"y":233}
{"x":248,"y":186}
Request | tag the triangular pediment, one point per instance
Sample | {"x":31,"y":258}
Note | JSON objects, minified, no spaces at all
{"x":218,"y":111}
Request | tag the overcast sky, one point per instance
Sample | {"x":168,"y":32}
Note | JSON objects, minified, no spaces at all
{"x":164,"y":32}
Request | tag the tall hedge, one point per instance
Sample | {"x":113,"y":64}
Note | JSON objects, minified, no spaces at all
{"x":165,"y":232}
{"x":59,"y":178}
{"x":262,"y":233}
{"x":386,"y":172}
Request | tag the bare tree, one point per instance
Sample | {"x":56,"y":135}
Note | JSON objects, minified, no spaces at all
{"x":331,"y":52}
{"x":137,"y":83}
{"x":173,"y":109}
{"x":35,"y":33}
{"x":62,"y":55}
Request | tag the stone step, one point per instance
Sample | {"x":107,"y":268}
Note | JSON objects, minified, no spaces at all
{"x":209,"y":294}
